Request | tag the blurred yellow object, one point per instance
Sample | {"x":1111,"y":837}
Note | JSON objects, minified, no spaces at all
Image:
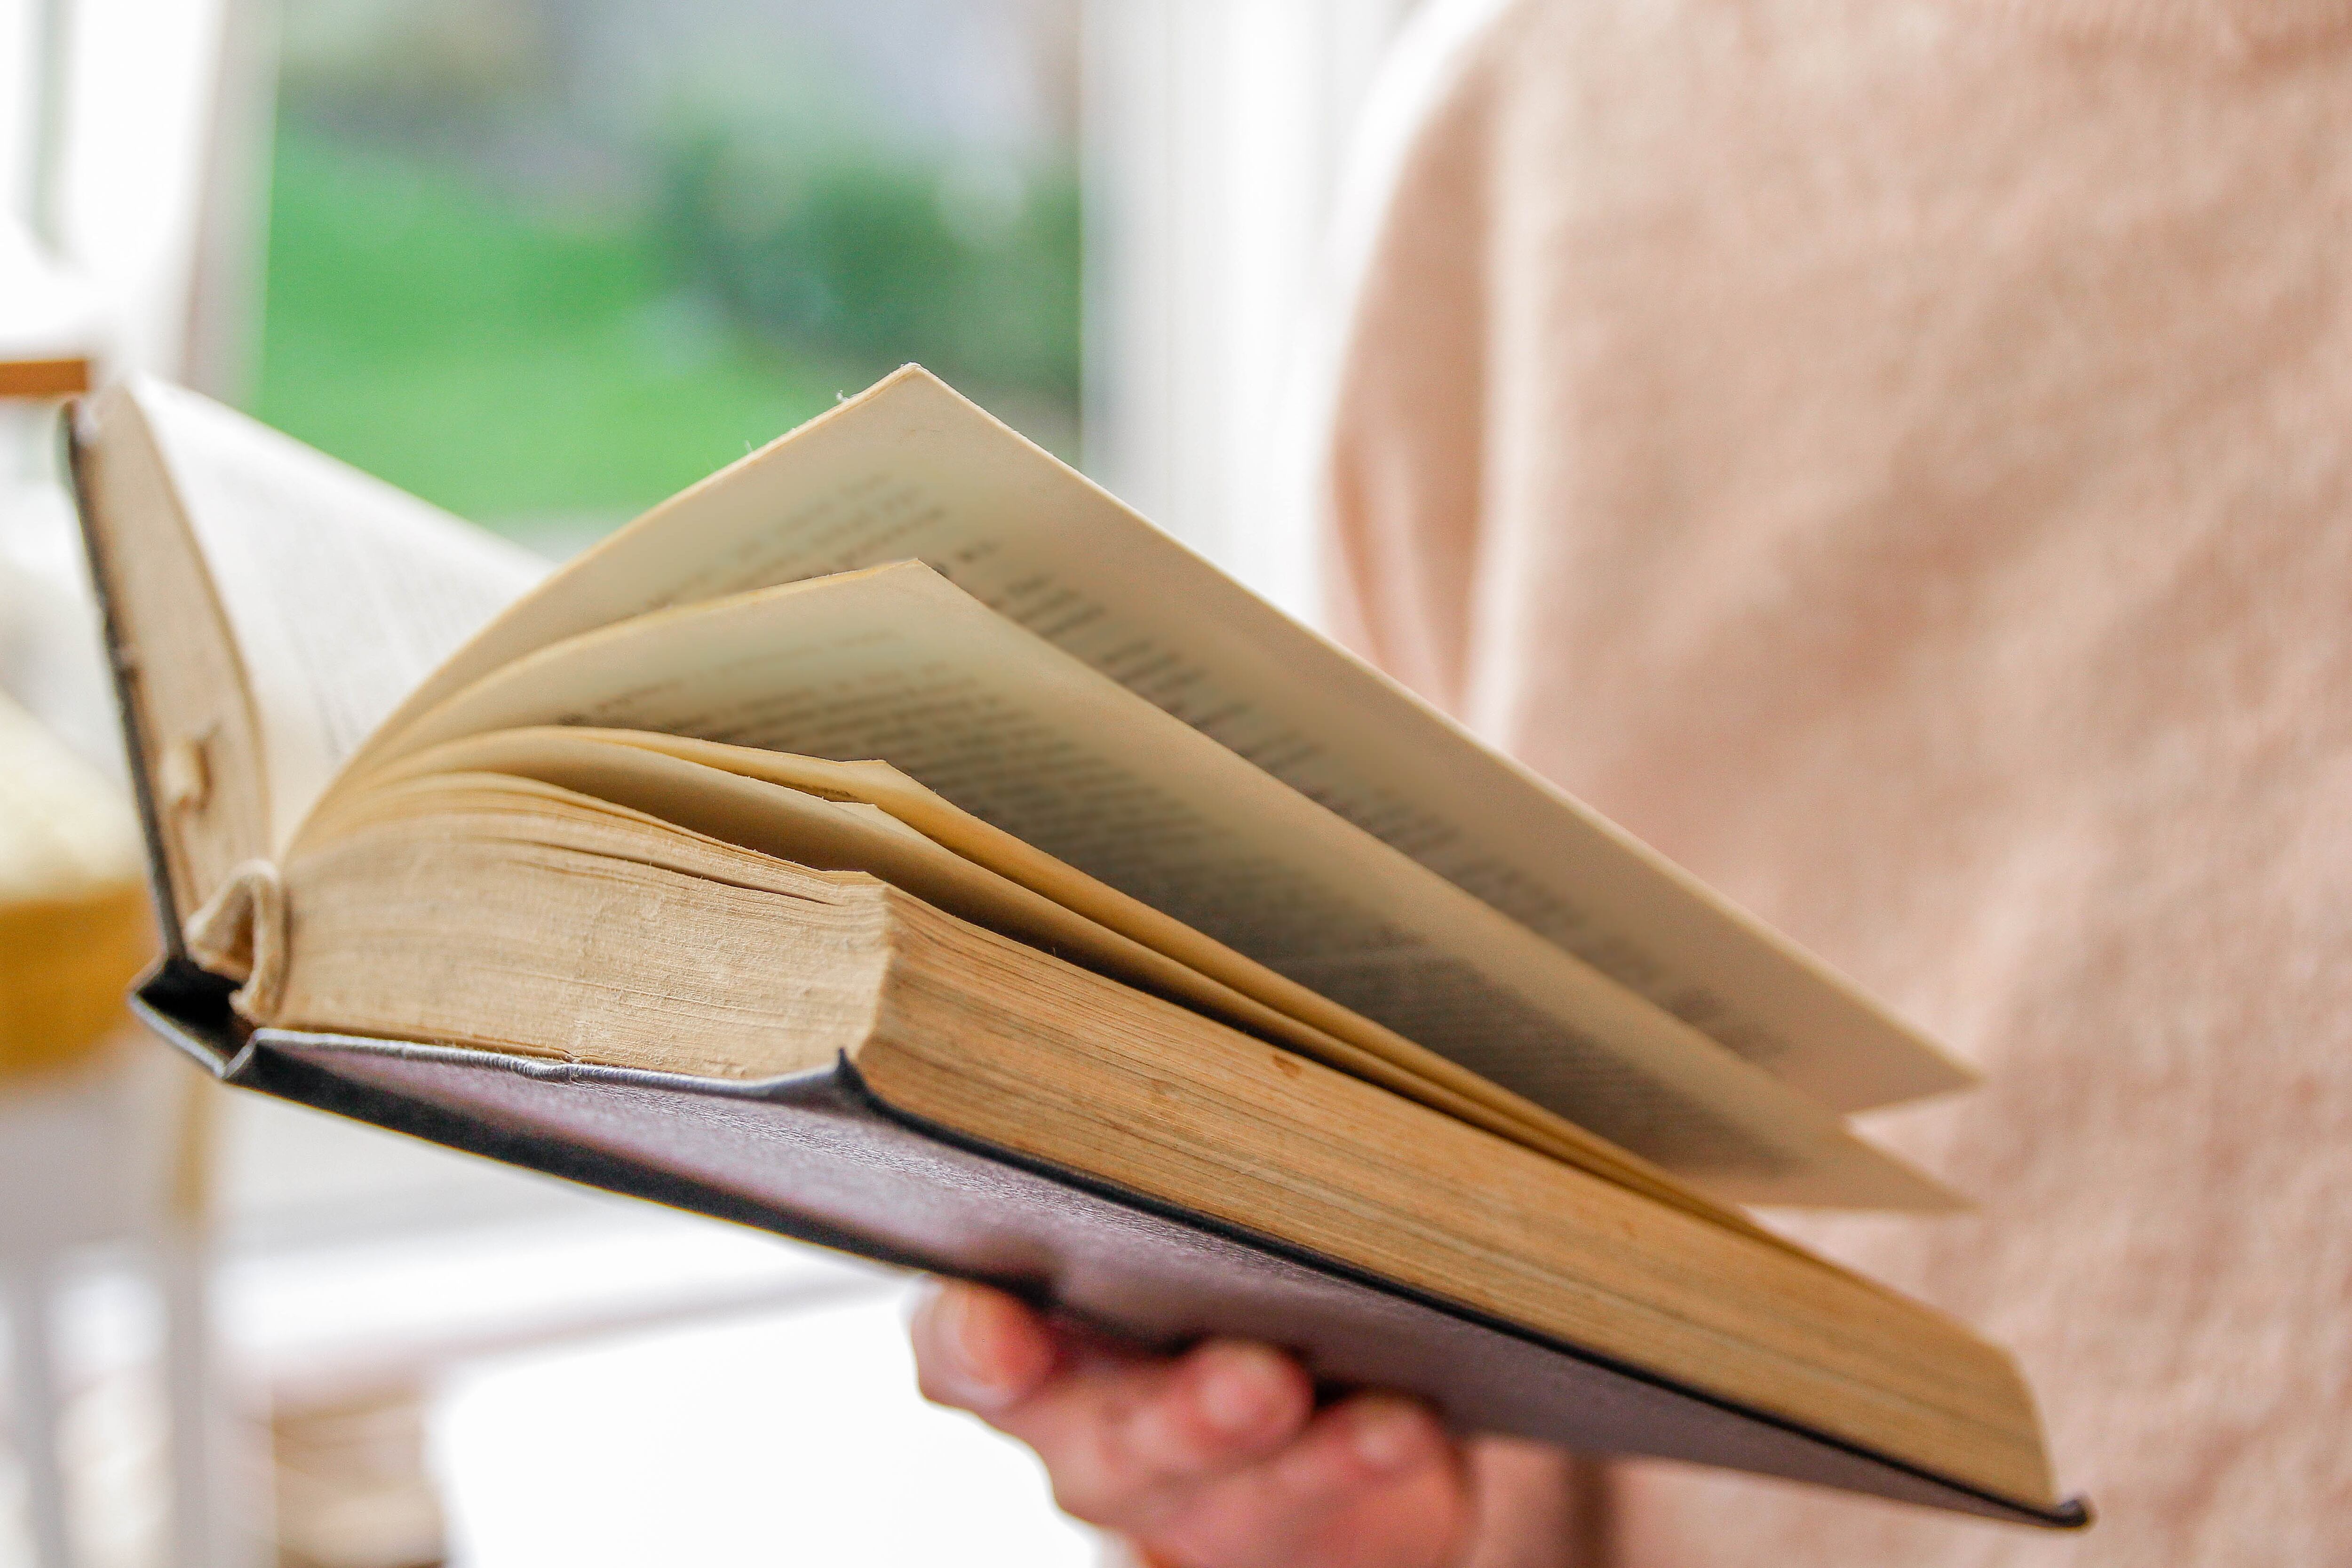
{"x":74,"y":926}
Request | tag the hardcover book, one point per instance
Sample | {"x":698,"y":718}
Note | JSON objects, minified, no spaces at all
{"x":893,"y":841}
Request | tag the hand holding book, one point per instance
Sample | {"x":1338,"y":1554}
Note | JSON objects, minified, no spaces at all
{"x":895,"y":841}
{"x":1220,"y":1457}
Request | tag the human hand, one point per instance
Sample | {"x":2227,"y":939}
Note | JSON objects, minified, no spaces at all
{"x":1218,"y":1459}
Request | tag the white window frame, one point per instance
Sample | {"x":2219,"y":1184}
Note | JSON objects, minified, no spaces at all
{"x":1215,"y":134}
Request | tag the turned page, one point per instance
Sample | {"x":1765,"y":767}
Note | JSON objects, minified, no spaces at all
{"x":340,"y":593}
{"x":911,"y":471}
{"x":721,"y":792}
{"x":896,"y":663}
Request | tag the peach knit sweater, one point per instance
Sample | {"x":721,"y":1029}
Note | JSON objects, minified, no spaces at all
{"x":1896,"y":456}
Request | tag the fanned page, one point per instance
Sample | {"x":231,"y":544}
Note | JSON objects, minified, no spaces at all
{"x":340,"y":592}
{"x":910,"y":470}
{"x":824,"y":816}
{"x":897,"y":663}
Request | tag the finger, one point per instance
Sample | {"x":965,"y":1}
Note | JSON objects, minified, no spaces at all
{"x":1531,"y":1504}
{"x":978,"y":1350}
{"x":1127,"y":1440}
{"x":1374,"y":1483}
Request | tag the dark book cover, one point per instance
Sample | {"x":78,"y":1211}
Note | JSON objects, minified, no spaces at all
{"x":818,"y":1156}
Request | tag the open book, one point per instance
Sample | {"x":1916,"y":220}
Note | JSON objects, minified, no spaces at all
{"x":899,"y":771}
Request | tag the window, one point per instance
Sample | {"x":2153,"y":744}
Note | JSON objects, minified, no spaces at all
{"x":545,"y":263}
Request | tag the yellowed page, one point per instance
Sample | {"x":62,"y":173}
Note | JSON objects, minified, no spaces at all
{"x":846,"y":832}
{"x":899,"y":664}
{"x":342,"y":592}
{"x":910,"y":470}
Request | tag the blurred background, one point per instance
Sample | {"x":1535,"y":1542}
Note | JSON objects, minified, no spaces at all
{"x":545,"y":262}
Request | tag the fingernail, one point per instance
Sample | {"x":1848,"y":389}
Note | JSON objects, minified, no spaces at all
{"x":964,"y":1381}
{"x":1236,"y":1396}
{"x":1388,"y":1436}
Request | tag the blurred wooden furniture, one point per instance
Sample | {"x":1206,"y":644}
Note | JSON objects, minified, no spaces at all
{"x":57,"y":375}
{"x":74,"y":923}
{"x":52,"y":325}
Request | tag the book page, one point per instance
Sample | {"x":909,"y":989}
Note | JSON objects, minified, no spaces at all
{"x":198,"y":766}
{"x":842,"y":830}
{"x":911,"y":471}
{"x":342,"y":592}
{"x":901,"y":665}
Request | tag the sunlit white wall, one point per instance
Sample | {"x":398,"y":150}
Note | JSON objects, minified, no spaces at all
{"x":129,"y":159}
{"x":1215,"y":133}
{"x":773,"y":1442}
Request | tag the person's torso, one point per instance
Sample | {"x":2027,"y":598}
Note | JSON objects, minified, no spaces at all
{"x":1913,"y":490}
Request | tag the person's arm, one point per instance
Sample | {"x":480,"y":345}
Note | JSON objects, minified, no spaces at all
{"x":1219,"y":1459}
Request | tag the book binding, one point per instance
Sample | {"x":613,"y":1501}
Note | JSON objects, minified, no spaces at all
{"x":819,"y":1157}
